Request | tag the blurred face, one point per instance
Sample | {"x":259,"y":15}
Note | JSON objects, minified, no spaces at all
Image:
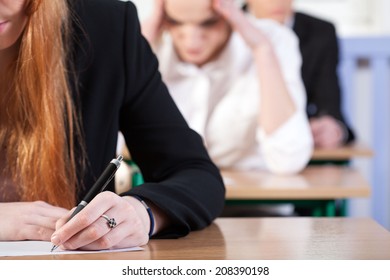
{"x":278,"y":10}
{"x":199,"y":34}
{"x":12,"y":22}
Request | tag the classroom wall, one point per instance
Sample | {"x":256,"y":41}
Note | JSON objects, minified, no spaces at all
{"x":365,"y":72}
{"x":351,"y":17}
{"x":364,"y":30}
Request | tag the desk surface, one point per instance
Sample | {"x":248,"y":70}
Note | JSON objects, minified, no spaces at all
{"x":315,"y":182}
{"x":266,"y":238}
{"x":343,"y":153}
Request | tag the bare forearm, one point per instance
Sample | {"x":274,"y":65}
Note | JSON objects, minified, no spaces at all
{"x":276,"y":105}
{"x":151,"y":27}
{"x":151,"y":31}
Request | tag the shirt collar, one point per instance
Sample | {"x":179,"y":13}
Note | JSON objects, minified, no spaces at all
{"x":289,"y":22}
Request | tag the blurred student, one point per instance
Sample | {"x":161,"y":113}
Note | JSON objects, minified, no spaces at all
{"x":236,"y":81}
{"x":73,"y":73}
{"x":320,"y":56}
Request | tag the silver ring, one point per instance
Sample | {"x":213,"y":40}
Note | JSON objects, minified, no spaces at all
{"x":110,"y":222}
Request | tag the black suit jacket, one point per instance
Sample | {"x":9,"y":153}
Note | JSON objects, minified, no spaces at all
{"x":320,"y":56}
{"x":117,"y":86}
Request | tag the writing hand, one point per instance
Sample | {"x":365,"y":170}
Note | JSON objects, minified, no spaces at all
{"x":89,"y":231}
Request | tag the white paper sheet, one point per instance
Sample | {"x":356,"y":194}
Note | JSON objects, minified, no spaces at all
{"x":38,"y":248}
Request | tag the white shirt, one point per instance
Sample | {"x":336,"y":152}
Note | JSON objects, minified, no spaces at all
{"x":221,"y":99}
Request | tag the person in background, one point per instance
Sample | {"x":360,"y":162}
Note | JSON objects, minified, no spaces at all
{"x":320,"y":56}
{"x":236,"y":80}
{"x":72,"y":74}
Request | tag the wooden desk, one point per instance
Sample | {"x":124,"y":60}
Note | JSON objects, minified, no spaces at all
{"x":343,"y":153}
{"x":265,"y":238}
{"x":323,"y":184}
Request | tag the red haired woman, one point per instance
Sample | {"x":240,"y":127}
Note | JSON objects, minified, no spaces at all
{"x":72,"y":74}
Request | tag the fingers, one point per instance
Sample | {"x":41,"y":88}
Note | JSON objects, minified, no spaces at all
{"x":98,"y":206}
{"x":36,"y":232}
{"x":327,"y":133}
{"x":153,"y":25}
{"x":253,"y":36}
{"x":122,"y":236}
{"x":89,"y":231}
{"x":228,"y":10}
{"x":158,"y":11}
{"x":29,"y":220}
{"x":315,"y":125}
{"x":40,"y":220}
{"x":64,"y":218}
{"x":95,"y":231}
{"x":159,"y":6}
{"x":48,"y":210}
{"x":37,"y":227}
{"x":317,"y":132}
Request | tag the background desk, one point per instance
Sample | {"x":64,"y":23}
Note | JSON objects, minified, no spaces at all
{"x":343,"y":153}
{"x":265,"y":238}
{"x":319,"y":186}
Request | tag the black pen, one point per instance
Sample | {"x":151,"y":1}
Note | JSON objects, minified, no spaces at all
{"x":98,"y":187}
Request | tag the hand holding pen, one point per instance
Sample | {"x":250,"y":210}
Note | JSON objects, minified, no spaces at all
{"x":98,"y":187}
{"x":102,"y":220}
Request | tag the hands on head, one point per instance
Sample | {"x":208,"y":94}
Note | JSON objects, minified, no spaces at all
{"x":153,"y":26}
{"x":234,"y":15}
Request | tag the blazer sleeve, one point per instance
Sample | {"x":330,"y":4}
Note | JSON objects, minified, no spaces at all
{"x":179,"y":176}
{"x":325,"y":91}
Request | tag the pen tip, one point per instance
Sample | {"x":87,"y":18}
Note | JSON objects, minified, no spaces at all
{"x":120,"y":157}
{"x":53,"y":248}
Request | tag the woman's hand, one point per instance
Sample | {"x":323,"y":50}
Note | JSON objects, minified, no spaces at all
{"x":28,"y":220}
{"x":252,"y":36}
{"x":327,"y":132}
{"x":153,"y":25}
{"x":89,"y":231}
{"x":277,"y":105}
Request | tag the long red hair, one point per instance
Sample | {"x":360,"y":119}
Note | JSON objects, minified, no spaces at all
{"x":39,"y":128}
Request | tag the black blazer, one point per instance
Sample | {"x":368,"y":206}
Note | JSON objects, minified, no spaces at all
{"x":117,"y":86}
{"x":320,"y":57}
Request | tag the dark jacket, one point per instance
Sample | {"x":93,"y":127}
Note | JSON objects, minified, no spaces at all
{"x":117,"y":86}
{"x":320,"y":57}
